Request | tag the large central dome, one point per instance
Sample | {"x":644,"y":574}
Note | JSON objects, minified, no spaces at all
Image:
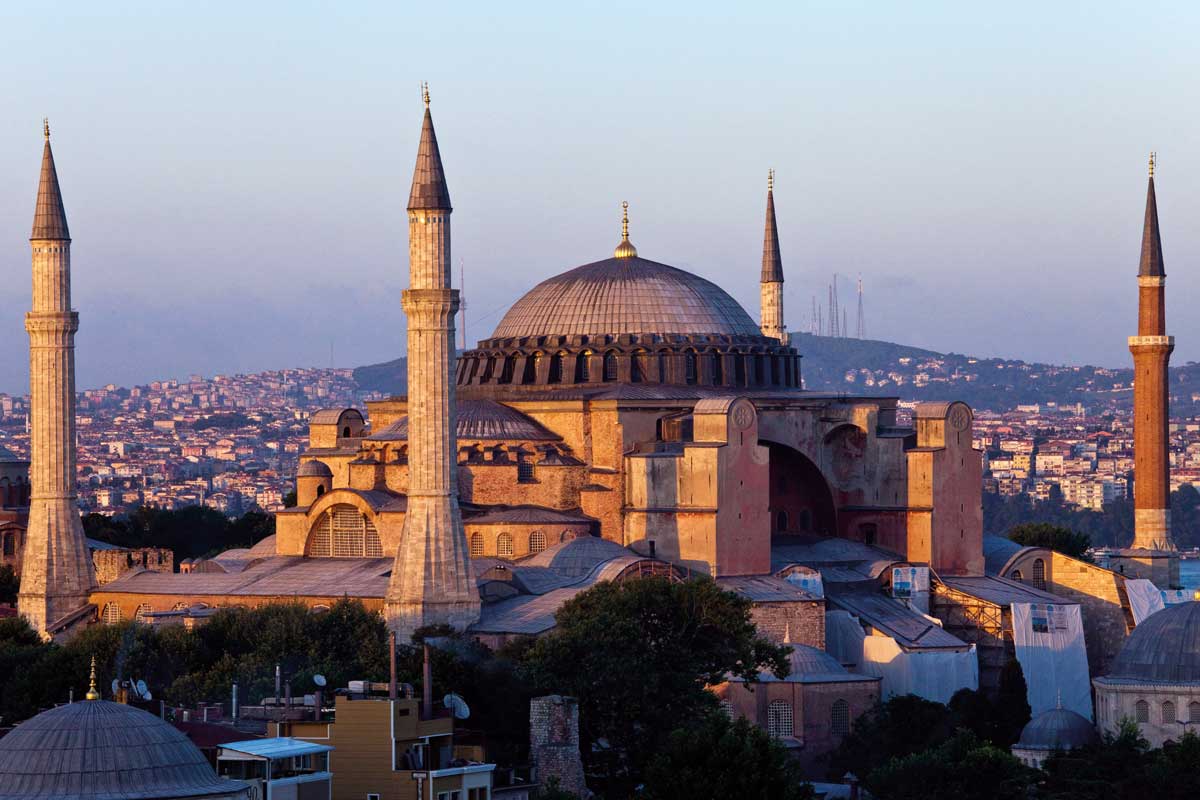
{"x":625,"y":296}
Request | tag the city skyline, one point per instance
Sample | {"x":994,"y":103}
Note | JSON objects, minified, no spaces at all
{"x":258,"y":149}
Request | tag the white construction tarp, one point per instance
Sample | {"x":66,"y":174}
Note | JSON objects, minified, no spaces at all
{"x":1144,"y":598}
{"x":932,"y":674}
{"x":1173,"y":596}
{"x":1048,"y":638}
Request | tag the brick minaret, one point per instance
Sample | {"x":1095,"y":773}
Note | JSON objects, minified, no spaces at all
{"x":1151,"y":350}
{"x":432,"y":581}
{"x":771,"y":282}
{"x":56,"y":570}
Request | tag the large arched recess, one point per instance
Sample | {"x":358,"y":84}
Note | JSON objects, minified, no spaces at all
{"x":801,"y":500}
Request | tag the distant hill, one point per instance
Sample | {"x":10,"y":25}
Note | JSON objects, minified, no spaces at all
{"x":869,"y":367}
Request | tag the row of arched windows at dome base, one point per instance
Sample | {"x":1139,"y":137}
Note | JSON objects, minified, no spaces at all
{"x":1167,"y":713}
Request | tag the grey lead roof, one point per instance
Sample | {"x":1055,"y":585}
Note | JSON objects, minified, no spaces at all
{"x":1057,"y":729}
{"x":1002,"y":591}
{"x":772,"y":266}
{"x":479,"y":419}
{"x":998,"y":551}
{"x":1164,"y":648}
{"x":49,"y":217}
{"x":429,"y":191}
{"x":625,"y":295}
{"x":98,"y":750}
{"x":911,"y":630}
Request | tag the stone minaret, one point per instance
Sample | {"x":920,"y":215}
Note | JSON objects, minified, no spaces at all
{"x":771,"y":282}
{"x":56,"y":569}
{"x":1151,"y":350}
{"x":432,"y":581}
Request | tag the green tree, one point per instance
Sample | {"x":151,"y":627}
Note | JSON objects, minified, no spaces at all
{"x":963,"y":768}
{"x":900,"y":727}
{"x":718,"y":758}
{"x":638,"y":655}
{"x":1055,"y":537}
{"x":1112,"y":769}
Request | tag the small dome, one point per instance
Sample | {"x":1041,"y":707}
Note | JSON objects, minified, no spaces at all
{"x":1165,"y":648}
{"x":478,"y":419}
{"x":1057,"y":729}
{"x":314,"y":469}
{"x":99,"y":750}
{"x":625,"y":295}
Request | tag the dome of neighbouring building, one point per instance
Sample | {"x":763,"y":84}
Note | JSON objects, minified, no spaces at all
{"x":625,"y":295}
{"x":99,"y":750}
{"x":1057,"y":729}
{"x":1164,"y":648}
{"x":314,"y":469}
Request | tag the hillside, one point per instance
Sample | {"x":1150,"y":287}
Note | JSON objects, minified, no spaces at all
{"x":868,"y":367}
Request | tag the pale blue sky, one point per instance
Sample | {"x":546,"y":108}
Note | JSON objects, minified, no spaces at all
{"x":235,"y":174}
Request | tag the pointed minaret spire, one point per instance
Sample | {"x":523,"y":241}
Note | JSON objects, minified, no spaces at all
{"x":49,"y":217}
{"x":1152,"y":257}
{"x":771,"y":281}
{"x":429,"y":190}
{"x":625,"y":248}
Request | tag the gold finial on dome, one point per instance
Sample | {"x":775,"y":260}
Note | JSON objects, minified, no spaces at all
{"x":425,"y":92}
{"x":625,"y":249}
{"x":92,"y":694}
{"x":46,"y":127}
{"x":1153,"y":156}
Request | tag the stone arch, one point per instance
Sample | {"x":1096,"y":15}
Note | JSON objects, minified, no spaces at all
{"x":798,"y":488}
{"x":343,"y":530}
{"x":610,"y":368}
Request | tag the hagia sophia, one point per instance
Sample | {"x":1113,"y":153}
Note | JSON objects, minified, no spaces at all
{"x":628,"y":418}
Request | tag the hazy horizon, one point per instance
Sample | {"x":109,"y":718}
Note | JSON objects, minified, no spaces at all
{"x":235,"y":177}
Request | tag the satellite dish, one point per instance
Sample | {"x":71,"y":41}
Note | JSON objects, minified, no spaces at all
{"x":319,"y":680}
{"x":116,"y":687}
{"x":457,"y":705}
{"x":142,"y":691}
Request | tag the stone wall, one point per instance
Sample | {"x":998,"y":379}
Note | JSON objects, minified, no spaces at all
{"x":112,"y":564}
{"x":799,"y":622}
{"x":554,"y":742}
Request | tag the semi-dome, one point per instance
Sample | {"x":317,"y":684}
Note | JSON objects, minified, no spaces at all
{"x":314,"y":469}
{"x":625,"y":295}
{"x":99,"y":750}
{"x":1057,"y":729}
{"x":1164,"y":648}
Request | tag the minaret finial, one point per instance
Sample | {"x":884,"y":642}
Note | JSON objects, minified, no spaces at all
{"x":1153,"y":156}
{"x":625,"y":249}
{"x":92,"y":694}
{"x":425,"y":92}
{"x":770,"y":180}
{"x":46,"y":127}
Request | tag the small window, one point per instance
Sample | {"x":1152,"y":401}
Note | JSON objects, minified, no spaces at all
{"x":839,"y":721}
{"x":1194,"y":712}
{"x":476,"y":545}
{"x":581,"y":367}
{"x":556,"y":365}
{"x":781,"y":521}
{"x":111,"y":614}
{"x":779,"y":719}
{"x":1039,"y":573}
{"x":610,"y":367}
{"x":525,"y":470}
{"x":1141,"y":711}
{"x":504,"y":545}
{"x":689,"y":368}
{"x":142,"y":611}
{"x":1015,"y":575}
{"x":537,"y":542}
{"x":372,"y":796}
{"x":1168,"y":713}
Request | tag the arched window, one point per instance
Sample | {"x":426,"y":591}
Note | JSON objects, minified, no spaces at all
{"x":1039,"y":573}
{"x":805,"y":520}
{"x":758,"y":369}
{"x":637,"y":367}
{"x":718,"y":369}
{"x":10,"y":543}
{"x":537,"y":542}
{"x":556,"y":364}
{"x":581,"y":366}
{"x":320,"y":489}
{"x":476,"y":545}
{"x":1015,"y":575}
{"x":1194,"y":712}
{"x":504,"y":545}
{"x":739,"y":369}
{"x":1141,"y":711}
{"x":610,"y":367}
{"x":839,"y":719}
{"x":346,"y":432}
{"x":1168,"y":713}
{"x":661,"y":357}
{"x":179,"y":607}
{"x":344,"y":532}
{"x":142,"y":611}
{"x":506,"y":374}
{"x":489,"y":369}
{"x":531,"y":365}
{"x":111,"y":614}
{"x":869,"y":531}
{"x":689,"y":368}
{"x":779,"y":719}
{"x":781,"y":521}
